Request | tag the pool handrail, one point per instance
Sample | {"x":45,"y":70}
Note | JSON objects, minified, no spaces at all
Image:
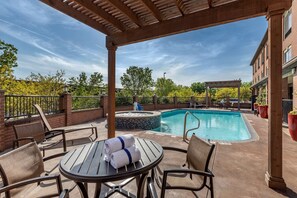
{"x":185,"y":135}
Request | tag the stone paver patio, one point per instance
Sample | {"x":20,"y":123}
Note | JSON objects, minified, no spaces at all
{"x":239,"y":168}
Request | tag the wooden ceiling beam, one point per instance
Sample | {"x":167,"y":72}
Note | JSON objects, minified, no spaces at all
{"x":210,"y":3}
{"x":237,"y":10}
{"x":125,"y":10}
{"x":152,"y":8}
{"x":65,"y":9}
{"x":87,"y":4}
{"x":178,"y":3}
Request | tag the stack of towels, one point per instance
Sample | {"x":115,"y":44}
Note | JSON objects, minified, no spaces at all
{"x":121,"y":151}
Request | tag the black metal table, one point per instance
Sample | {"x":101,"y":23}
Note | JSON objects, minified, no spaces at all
{"x":86,"y":164}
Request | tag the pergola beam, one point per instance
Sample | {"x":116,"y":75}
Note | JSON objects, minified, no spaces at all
{"x":210,"y":3}
{"x":101,"y":13}
{"x":230,"y":12}
{"x":66,"y":9}
{"x":125,"y":10}
{"x":152,"y":8}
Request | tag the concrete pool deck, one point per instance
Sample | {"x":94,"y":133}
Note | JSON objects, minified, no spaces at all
{"x":239,"y":168}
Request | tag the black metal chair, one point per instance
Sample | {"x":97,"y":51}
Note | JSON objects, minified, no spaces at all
{"x":194,"y":175}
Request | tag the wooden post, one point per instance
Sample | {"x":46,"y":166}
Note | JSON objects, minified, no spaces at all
{"x":111,"y":88}
{"x":273,"y":176}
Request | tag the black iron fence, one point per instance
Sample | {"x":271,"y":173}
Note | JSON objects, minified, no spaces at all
{"x":124,"y":101}
{"x":17,"y":106}
{"x":85,"y":102}
{"x":165,"y":100}
{"x":146,"y":100}
{"x":183,"y":99}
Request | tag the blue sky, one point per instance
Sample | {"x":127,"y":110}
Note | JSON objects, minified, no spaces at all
{"x":48,"y":40}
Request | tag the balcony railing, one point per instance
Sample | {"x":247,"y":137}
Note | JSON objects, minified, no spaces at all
{"x":85,"y":102}
{"x":18,"y":106}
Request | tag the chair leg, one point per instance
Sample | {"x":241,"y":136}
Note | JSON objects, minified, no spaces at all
{"x":211,"y":188}
{"x":64,"y":142}
{"x":96,"y":133}
{"x":163,"y":185}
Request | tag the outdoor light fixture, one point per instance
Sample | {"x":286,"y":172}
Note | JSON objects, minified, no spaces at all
{"x":65,"y":88}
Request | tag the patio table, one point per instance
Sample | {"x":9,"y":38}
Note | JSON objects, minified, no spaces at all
{"x":86,"y":164}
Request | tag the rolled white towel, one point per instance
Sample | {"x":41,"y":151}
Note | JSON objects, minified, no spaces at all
{"x":107,"y":157}
{"x":124,"y":157}
{"x":118,"y":143}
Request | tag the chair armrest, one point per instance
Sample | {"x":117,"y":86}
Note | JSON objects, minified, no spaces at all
{"x":64,"y":194}
{"x":189,"y":171}
{"x":151,"y":190}
{"x":33,"y":180}
{"x":16,"y":141}
{"x":174,"y":149}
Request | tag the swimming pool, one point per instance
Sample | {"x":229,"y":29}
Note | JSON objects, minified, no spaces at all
{"x":214,"y":125}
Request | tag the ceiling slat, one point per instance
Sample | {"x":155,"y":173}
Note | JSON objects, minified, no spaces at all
{"x":152,"y":8}
{"x":237,"y":10}
{"x":125,"y":10}
{"x":64,"y":8}
{"x":101,"y":13}
{"x":210,"y":3}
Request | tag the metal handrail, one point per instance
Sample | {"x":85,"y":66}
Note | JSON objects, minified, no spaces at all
{"x":185,"y":136}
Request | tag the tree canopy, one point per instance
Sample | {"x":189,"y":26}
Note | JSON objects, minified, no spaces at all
{"x":84,"y":86}
{"x":198,"y":87}
{"x":164,"y":86}
{"x":137,"y":80}
{"x":8,"y":60}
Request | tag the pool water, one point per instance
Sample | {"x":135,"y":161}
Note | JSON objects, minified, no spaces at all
{"x":214,"y":125}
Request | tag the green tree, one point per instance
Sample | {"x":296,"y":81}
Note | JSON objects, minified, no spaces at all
{"x":137,"y":80}
{"x":47,"y":85}
{"x":84,"y":86}
{"x":164,"y":86}
{"x":198,"y":87}
{"x":8,"y":60}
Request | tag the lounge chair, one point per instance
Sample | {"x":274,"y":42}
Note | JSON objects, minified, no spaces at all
{"x":63,"y":130}
{"x":194,"y":177}
{"x":24,"y":166}
{"x":31,"y":132}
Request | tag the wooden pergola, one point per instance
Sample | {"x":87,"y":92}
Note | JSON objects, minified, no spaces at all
{"x":131,"y":21}
{"x":223,"y":84}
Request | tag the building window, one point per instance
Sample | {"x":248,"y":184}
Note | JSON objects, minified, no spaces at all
{"x":255,"y":67}
{"x":288,"y":54}
{"x":262,"y":56}
{"x":259,"y":63}
{"x":287,"y":23}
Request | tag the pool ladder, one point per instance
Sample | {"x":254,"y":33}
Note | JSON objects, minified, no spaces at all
{"x":185,"y":135}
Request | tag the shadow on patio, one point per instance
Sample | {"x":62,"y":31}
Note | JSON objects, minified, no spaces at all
{"x":239,"y":168}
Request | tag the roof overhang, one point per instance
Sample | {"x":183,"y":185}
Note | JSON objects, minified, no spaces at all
{"x":221,"y":84}
{"x":125,"y":22}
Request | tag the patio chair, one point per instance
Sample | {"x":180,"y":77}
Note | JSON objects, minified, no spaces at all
{"x":195,"y":176}
{"x":63,"y":130}
{"x":24,"y":166}
{"x":33,"y":132}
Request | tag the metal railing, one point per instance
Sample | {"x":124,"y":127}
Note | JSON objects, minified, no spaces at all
{"x":85,"y":102}
{"x":146,"y":100}
{"x":124,"y":101}
{"x":183,"y":99}
{"x":185,"y":134}
{"x":18,"y":106}
{"x":165,"y":100}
